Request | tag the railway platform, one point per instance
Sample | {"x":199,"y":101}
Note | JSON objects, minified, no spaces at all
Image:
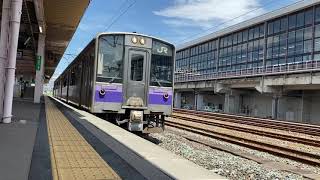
{"x":53,"y":140}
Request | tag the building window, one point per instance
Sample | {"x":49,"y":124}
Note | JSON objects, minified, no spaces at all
{"x":317,"y":14}
{"x":284,"y":24}
{"x":292,"y":21}
{"x":276,"y":26}
{"x":317,"y":44}
{"x":308,"y":17}
{"x":300,"y":19}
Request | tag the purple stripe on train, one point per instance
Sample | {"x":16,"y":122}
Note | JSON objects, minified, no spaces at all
{"x":156,"y":96}
{"x":113,"y":94}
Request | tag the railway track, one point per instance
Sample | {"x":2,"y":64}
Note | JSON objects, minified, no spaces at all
{"x":287,"y":137}
{"x":196,"y":125}
{"x":313,"y":130}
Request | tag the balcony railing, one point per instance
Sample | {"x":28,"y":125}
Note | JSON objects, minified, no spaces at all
{"x":259,"y":71}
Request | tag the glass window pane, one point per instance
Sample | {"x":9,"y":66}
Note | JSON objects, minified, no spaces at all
{"x":235,"y":38}
{"x":317,"y":14}
{"x":110,"y":58}
{"x":251,"y":34}
{"x":292,"y":21}
{"x":317,"y":31}
{"x":283,"y":39}
{"x":299,"y":48}
{"x":300,"y":19}
{"x":245,"y":35}
{"x":317,"y":44}
{"x":270,"y":28}
{"x":256,"y":32}
{"x":299,"y":35}
{"x":261,"y":30}
{"x":137,"y":67}
{"x":308,"y":16}
{"x":291,"y":48}
{"x":284,"y":24}
{"x":276,"y":40}
{"x":239,"y":37}
{"x":291,"y":37}
{"x":307,"y":46}
{"x":276,"y":26}
{"x":317,"y":57}
{"x":308,"y":33}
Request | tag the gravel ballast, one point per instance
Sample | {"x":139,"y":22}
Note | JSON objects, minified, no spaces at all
{"x":223,"y":163}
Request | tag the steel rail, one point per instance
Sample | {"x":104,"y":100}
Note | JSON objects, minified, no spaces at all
{"x":286,"y":137}
{"x":293,"y":154}
{"x":266,"y":123}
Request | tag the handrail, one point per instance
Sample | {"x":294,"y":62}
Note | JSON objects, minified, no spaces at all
{"x":255,"y":71}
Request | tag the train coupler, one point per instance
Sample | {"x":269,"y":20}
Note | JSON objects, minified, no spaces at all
{"x":136,"y":121}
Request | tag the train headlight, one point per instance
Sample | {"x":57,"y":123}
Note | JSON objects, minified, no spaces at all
{"x":142,"y":41}
{"x":134,"y":40}
{"x":102,"y":92}
{"x":166,"y":96}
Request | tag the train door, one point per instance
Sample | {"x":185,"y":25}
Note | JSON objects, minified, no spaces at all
{"x":136,"y":78}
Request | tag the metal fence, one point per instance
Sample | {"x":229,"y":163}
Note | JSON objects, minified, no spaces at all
{"x":288,"y":68}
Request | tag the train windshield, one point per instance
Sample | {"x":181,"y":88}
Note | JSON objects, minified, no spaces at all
{"x":161,"y":72}
{"x":110,"y":59}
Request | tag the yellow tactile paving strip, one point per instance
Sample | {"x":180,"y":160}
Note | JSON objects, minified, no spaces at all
{"x":72,"y":157}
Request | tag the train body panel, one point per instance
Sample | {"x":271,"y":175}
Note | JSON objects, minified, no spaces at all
{"x":126,"y":76}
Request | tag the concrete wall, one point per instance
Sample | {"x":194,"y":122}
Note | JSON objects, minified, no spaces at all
{"x":314,"y":108}
{"x":257,"y":105}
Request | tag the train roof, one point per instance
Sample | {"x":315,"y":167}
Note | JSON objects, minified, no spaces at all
{"x":133,"y":33}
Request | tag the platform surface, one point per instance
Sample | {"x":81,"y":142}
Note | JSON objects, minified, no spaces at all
{"x":173,"y":165}
{"x":72,"y":157}
{"x":17,"y":140}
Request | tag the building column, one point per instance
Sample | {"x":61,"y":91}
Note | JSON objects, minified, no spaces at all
{"x":275,"y":107}
{"x":40,"y":59}
{"x":231,"y":103}
{"x":16,"y":11}
{"x":199,"y":101}
{"x":177,"y":99}
{"x":4,"y":48}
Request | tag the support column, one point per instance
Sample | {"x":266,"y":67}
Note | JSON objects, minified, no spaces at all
{"x":199,"y":101}
{"x":231,"y":103}
{"x":275,"y":107}
{"x":177,"y":100}
{"x":38,"y":90}
{"x":4,"y":48}
{"x":16,"y":6}
{"x":226,"y":108}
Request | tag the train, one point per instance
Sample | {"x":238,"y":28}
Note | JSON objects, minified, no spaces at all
{"x":125,"y":77}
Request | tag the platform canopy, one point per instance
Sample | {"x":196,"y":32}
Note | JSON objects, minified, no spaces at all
{"x":61,"y":20}
{"x":58,"y":21}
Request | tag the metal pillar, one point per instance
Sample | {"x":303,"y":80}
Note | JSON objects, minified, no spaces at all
{"x":16,"y":6}
{"x":275,"y":107}
{"x":38,"y":90}
{"x":3,"y":48}
{"x":199,"y":104}
{"x":177,"y":100}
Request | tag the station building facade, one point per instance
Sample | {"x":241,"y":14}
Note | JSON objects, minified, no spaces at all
{"x":255,"y":67}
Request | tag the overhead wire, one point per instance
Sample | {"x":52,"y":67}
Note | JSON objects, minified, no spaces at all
{"x":120,"y":15}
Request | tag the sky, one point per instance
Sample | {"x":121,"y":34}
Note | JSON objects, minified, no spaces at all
{"x":176,"y":21}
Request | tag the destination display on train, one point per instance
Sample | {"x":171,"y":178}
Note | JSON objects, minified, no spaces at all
{"x":161,"y":48}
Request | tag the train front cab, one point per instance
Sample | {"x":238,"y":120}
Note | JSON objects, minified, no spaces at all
{"x":134,"y":81}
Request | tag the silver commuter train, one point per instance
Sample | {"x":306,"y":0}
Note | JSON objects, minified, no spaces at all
{"x":127,"y":76}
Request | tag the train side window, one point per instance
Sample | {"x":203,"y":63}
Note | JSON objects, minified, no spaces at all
{"x":137,"y":67}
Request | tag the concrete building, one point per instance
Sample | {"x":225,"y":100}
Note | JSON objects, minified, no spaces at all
{"x":34,"y":36}
{"x":268,"y":66}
